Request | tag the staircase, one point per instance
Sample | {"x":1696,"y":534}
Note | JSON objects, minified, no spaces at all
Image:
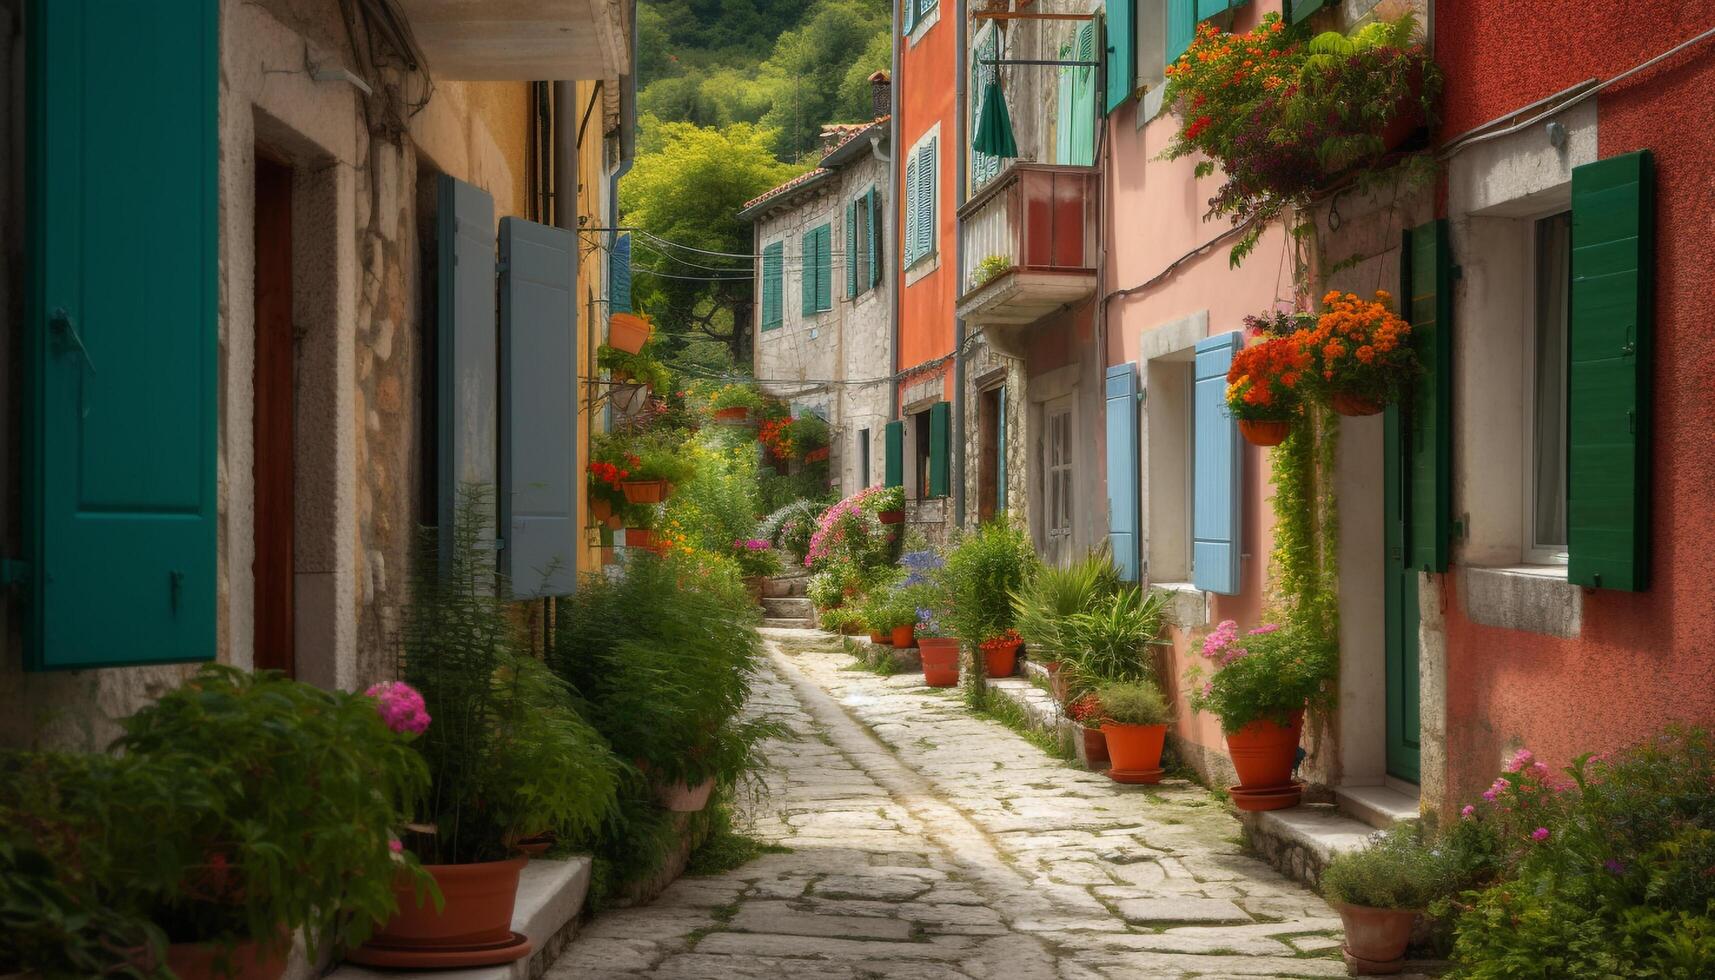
{"x":784,"y":605}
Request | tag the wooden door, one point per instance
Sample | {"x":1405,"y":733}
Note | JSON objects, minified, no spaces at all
{"x":275,"y":404}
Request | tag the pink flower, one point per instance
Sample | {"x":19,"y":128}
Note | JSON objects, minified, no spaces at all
{"x":1221,"y":637}
{"x":1539,"y":835}
{"x":1468,"y":812}
{"x":400,"y":706}
{"x":1265,"y":629}
{"x":1519,"y":760}
{"x":396,"y":845}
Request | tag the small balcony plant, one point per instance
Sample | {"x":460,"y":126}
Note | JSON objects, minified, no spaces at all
{"x":659,"y":461}
{"x":887,"y":504}
{"x":992,"y":267}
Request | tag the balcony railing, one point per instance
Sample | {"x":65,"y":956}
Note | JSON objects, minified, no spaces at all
{"x":1040,"y":220}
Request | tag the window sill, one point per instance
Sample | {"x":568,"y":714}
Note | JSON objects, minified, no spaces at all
{"x":1187,"y":605}
{"x":922,"y":27}
{"x":922,"y":267}
{"x":1529,"y":598}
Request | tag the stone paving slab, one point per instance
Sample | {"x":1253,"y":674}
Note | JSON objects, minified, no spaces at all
{"x":931,"y":844}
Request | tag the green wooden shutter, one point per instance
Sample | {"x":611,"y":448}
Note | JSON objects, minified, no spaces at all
{"x":894,"y":465}
{"x":773,"y":285}
{"x":851,"y":250}
{"x":1428,"y":420}
{"x":940,"y":448}
{"x":807,"y":274}
{"x":1181,"y":27}
{"x":1298,"y":10}
{"x":539,"y":520}
{"x":1084,"y":101}
{"x":1122,"y":53}
{"x":121,"y":331}
{"x":825,"y":268}
{"x":872,"y":236}
{"x":1608,"y":403}
{"x":1000,"y":452}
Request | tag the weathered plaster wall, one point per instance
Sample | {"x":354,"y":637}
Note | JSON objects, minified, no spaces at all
{"x":926,"y":100}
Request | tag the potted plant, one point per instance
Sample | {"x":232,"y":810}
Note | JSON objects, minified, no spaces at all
{"x":658,"y":460}
{"x":1092,"y":746}
{"x":876,"y":614}
{"x":939,"y":650}
{"x":1110,"y":641}
{"x":1043,"y":608}
{"x":1379,"y":890}
{"x":982,"y":573}
{"x":757,"y":560}
{"x":989,"y":269}
{"x":628,"y":332}
{"x":1262,"y":684}
{"x":892,"y":609}
{"x":734,"y":402}
{"x":1134,"y":724}
{"x":807,"y":434}
{"x":888,"y":504}
{"x":609,"y":467}
{"x":508,"y":755}
{"x":1362,"y":351}
{"x":1267,"y":380}
{"x":1000,"y":653}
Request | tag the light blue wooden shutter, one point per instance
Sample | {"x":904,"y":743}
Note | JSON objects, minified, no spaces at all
{"x":910,"y":198}
{"x":468,"y":345}
{"x":1124,"y":507}
{"x":121,"y":329}
{"x":1610,"y":342}
{"x":773,"y":285}
{"x":1209,"y":8}
{"x":824,"y":267}
{"x":851,"y":261}
{"x":619,"y":275}
{"x":907,"y":16}
{"x":1215,"y":470}
{"x":893,"y":466}
{"x":1181,"y":27}
{"x":1122,"y":51}
{"x":940,"y":448}
{"x":872,"y":235}
{"x":539,"y":416}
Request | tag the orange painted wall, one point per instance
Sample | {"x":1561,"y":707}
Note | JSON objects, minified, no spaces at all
{"x":926,"y":78}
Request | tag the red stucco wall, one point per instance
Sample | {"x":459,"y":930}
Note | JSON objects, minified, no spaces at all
{"x":1641,"y":659}
{"x":926,"y":78}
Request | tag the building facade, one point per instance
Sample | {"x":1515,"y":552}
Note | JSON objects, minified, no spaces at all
{"x":254,"y":346}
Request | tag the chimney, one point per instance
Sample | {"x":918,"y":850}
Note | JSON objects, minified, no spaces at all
{"x":881,"y":93}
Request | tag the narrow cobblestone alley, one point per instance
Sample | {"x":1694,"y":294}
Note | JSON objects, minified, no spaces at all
{"x":927,"y":843}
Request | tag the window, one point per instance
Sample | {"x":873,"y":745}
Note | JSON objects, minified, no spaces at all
{"x":1075,"y":124}
{"x":1168,"y":466}
{"x":920,"y":183}
{"x":915,"y":12}
{"x":920,"y":452}
{"x":817,"y":276}
{"x":772,"y":285}
{"x":1057,"y":475}
{"x":1545,"y":409}
{"x":863,"y":458}
{"x":862,"y":248}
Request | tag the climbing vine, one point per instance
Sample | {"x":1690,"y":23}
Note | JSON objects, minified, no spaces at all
{"x":1304,"y":565}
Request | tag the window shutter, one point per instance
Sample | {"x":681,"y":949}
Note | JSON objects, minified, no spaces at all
{"x":807,"y":274}
{"x":619,"y":275}
{"x":1215,"y":471}
{"x":1084,"y":100}
{"x":926,"y":179}
{"x":772,"y":285}
{"x":824,"y":267}
{"x":1428,"y":422}
{"x":894,"y":465}
{"x":1064,"y":101}
{"x":539,"y":417}
{"x":1124,"y":500}
{"x":872,"y":236}
{"x":940,"y":448}
{"x":851,"y":262}
{"x":467,"y":345}
{"x":910,"y":197}
{"x":1181,"y":27}
{"x":1122,"y":54}
{"x":1608,"y":404}
{"x":119,"y":466}
{"x":1298,"y":10}
{"x":1209,"y":8}
{"x":907,"y":16}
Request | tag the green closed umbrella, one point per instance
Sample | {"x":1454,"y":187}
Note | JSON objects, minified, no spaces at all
{"x":994,"y":125}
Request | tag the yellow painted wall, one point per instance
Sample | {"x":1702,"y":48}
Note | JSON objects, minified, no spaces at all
{"x":592,"y":286}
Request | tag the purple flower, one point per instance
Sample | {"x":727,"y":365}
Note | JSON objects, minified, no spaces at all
{"x":1615,"y":866}
{"x":400,"y":706}
{"x":1468,"y":812}
{"x":1539,"y":835}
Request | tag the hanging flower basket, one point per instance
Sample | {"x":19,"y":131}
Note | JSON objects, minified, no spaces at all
{"x":816,"y":455}
{"x":644,"y":491}
{"x":737,"y":413}
{"x":892,"y":516}
{"x":600,"y":510}
{"x":1354,"y":405}
{"x":627,"y":332}
{"x":1264,"y":432}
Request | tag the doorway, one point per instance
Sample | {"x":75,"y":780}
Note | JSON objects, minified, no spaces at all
{"x":1403,"y":615}
{"x":276,"y":410}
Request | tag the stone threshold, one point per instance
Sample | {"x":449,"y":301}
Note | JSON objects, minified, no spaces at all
{"x":550,"y":902}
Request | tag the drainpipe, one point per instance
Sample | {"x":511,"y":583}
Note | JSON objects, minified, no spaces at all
{"x":895,"y":285}
{"x":627,"y":133}
{"x":961,"y":77}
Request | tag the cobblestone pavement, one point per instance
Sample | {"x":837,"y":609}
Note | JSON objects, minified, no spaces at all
{"x":927,"y":843}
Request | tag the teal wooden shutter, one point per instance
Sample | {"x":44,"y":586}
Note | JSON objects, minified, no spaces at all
{"x":619,"y":275}
{"x":872,"y":236}
{"x":1122,"y":53}
{"x":121,"y":319}
{"x":910,"y":198}
{"x":1428,"y":422}
{"x":807,"y":274}
{"x":1298,"y":10}
{"x":1063,"y":106}
{"x":1084,"y":101}
{"x":1181,"y":27}
{"x":824,"y":268}
{"x":773,"y":285}
{"x":907,"y":16}
{"x":539,"y":415}
{"x":468,"y":341}
{"x":1209,"y":8}
{"x":1215,"y":469}
{"x":1124,"y":499}
{"x":926,"y":178}
{"x":940,"y":448}
{"x":1608,"y":404}
{"x":893,"y":470}
{"x":851,"y":262}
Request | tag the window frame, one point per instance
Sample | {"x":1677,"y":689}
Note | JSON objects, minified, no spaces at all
{"x":1530,"y":550}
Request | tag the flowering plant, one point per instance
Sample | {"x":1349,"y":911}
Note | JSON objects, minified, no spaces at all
{"x":850,"y":530}
{"x":1087,"y":710}
{"x":1001,"y":640}
{"x":885,"y":499}
{"x":1360,"y":348}
{"x":1265,"y":379}
{"x":1269,"y":673}
{"x":755,"y":557}
{"x":400,"y":706}
{"x":775,"y":437}
{"x":735,"y":396}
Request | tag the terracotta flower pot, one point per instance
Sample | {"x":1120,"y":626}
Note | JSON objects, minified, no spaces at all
{"x":1349,"y":404}
{"x":880,"y":638}
{"x":682,"y":798}
{"x":628,"y":332}
{"x":1056,"y":681}
{"x":1135,"y":751}
{"x":1000,"y":660}
{"x":644,"y":491}
{"x":247,"y":960}
{"x":600,"y":510}
{"x":940,"y":660}
{"x":536,"y":845}
{"x":640,"y":537}
{"x":1263,"y":752}
{"x":816,"y":455}
{"x":1376,"y":938}
{"x":892,"y":516}
{"x":736,"y":414}
{"x":1264,"y":432}
{"x":1093,"y":748}
{"x":904,"y":636}
{"x":473,"y":928}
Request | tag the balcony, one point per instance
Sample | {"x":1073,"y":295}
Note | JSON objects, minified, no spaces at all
{"x":521,"y":40}
{"x":1040,"y":219}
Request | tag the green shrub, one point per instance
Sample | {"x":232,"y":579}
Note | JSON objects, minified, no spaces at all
{"x":789,"y":526}
{"x":1394,"y":870}
{"x":735,"y":396}
{"x":890,"y":606}
{"x":1052,"y":595}
{"x":1111,"y":642}
{"x":840,"y":619}
{"x":1136,"y":702}
{"x":982,"y":572}
{"x":718,"y":504}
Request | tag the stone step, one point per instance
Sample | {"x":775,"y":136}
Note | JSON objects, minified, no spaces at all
{"x":775,"y":623}
{"x":1300,"y":841}
{"x":785,"y":586}
{"x":1379,"y":806}
{"x":788,"y":608}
